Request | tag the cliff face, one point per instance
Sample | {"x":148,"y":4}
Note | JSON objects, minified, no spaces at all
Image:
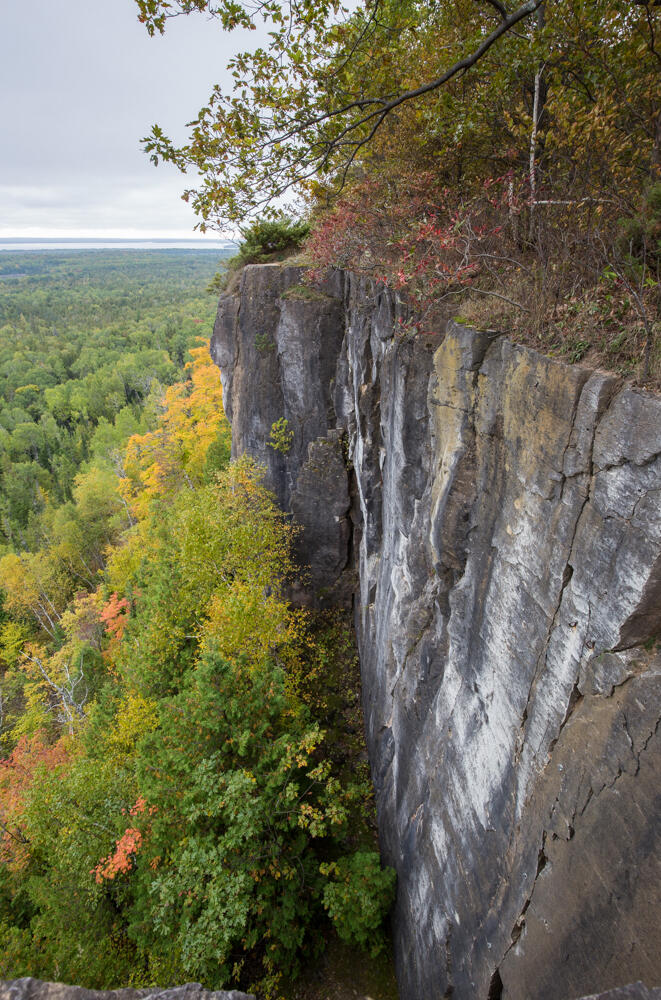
{"x":503,"y":514}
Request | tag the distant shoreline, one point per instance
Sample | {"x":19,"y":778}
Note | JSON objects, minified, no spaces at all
{"x":16,"y":244}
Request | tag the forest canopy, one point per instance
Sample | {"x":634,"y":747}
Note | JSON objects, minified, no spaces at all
{"x":88,"y":344}
{"x":183,"y":794}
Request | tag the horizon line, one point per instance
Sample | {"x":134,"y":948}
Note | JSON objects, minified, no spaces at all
{"x":115,"y":239}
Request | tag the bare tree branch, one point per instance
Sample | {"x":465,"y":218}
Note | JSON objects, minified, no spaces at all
{"x":72,"y":702}
{"x":19,"y":837}
{"x":386,"y":107}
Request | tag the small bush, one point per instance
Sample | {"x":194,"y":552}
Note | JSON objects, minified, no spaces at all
{"x":359,"y":898}
{"x":639,"y":236}
{"x":264,"y":342}
{"x":263,"y":240}
{"x":281,"y":437}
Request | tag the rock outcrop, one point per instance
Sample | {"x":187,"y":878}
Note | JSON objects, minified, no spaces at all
{"x":635,"y":991}
{"x":35,"y":989}
{"x":502,"y":512}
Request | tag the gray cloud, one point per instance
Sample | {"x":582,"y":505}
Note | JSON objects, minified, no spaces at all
{"x":80,"y":83}
{"x":116,"y":206}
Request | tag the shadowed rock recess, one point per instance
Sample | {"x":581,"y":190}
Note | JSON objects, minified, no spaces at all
{"x":495,"y":516}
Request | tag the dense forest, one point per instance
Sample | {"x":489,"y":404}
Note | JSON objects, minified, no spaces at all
{"x":87,"y":344}
{"x":183,"y":792}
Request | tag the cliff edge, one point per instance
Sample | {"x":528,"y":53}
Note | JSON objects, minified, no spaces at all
{"x":495,"y":515}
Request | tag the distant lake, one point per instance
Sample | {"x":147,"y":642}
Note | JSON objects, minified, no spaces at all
{"x":18,"y":245}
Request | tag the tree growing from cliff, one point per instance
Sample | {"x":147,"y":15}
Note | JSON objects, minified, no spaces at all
{"x":309,"y":103}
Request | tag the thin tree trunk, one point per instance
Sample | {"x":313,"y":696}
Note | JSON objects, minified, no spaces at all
{"x":539,"y":99}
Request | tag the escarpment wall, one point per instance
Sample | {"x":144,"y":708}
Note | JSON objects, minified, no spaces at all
{"x":497,"y":517}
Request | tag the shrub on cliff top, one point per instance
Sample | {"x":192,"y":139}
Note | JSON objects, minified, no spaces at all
{"x":264,"y":240}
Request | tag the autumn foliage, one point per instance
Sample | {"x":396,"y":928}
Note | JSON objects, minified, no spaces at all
{"x":157,"y":464}
{"x":122,"y":858}
{"x":18,"y":774}
{"x":114,"y":615}
{"x":168,"y":796}
{"x":512,"y":197}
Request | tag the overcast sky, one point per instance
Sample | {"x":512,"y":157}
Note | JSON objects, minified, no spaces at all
{"x":80,"y":83}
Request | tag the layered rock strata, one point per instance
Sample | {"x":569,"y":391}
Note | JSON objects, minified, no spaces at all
{"x":502,"y":512}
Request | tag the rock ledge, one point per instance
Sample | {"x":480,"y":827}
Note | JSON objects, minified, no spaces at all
{"x":35,"y":989}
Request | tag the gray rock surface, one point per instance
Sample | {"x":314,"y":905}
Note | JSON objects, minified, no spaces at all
{"x":277,"y":349}
{"x":636,"y":991}
{"x":35,"y":989}
{"x":503,"y":513}
{"x":277,"y":344}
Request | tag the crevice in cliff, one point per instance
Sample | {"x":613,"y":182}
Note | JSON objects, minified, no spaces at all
{"x":520,"y":922}
{"x":495,"y":987}
{"x":353,"y":509}
{"x":575,"y":699}
{"x":449,"y":989}
{"x":568,"y":572}
{"x":576,"y":812}
{"x":636,"y":754}
{"x":649,"y":739}
{"x":517,"y":930}
{"x":541,"y":858}
{"x":584,"y":377}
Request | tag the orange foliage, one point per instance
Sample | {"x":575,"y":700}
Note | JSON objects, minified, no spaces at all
{"x":121,"y":860}
{"x":126,"y":847}
{"x":17,"y":773}
{"x":114,"y":615}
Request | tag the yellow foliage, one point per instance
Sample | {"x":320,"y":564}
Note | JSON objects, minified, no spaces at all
{"x":19,"y":585}
{"x":124,"y":559}
{"x":245,"y":620}
{"x":34,"y":718}
{"x":159,"y":462}
{"x":13,"y":635}
{"x":136,"y":716}
{"x":35,"y":585}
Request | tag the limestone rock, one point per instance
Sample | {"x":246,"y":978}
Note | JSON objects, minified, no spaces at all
{"x":277,"y":346}
{"x":35,"y":989}
{"x":636,"y":991}
{"x":502,"y":511}
{"x":321,"y":506}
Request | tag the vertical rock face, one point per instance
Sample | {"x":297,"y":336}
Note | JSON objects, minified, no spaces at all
{"x":503,"y":513}
{"x":277,"y":345}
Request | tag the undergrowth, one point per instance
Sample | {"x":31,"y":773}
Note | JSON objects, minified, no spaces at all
{"x":576,"y":280}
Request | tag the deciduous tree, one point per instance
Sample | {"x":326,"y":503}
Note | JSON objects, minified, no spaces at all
{"x":309,"y":102}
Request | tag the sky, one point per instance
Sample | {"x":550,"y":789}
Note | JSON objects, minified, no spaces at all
{"x":81,"y":82}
